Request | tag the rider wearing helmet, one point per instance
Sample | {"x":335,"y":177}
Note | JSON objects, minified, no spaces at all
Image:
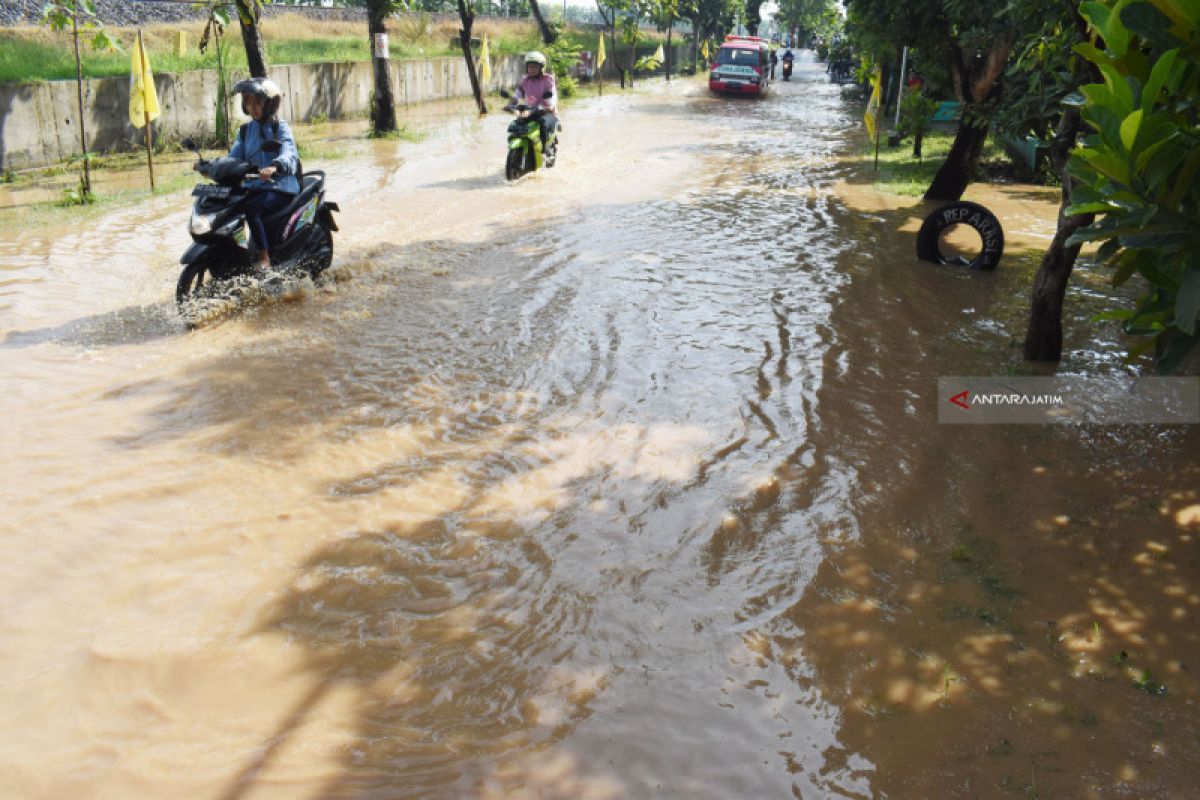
{"x":533,"y":88}
{"x":277,"y":183}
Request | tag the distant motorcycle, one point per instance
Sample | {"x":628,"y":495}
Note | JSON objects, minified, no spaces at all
{"x":301,"y":233}
{"x":525,"y":151}
{"x":787,"y":69}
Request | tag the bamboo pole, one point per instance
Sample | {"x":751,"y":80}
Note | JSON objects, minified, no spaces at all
{"x":146,"y":110}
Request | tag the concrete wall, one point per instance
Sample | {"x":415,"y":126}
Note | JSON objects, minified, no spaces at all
{"x":39,"y":122}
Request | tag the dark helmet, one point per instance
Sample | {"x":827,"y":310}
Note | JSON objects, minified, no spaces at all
{"x":265,"y":90}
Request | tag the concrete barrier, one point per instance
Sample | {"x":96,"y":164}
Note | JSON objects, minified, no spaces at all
{"x":39,"y":122}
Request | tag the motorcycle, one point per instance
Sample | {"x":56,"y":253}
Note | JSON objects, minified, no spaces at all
{"x":787,"y":69}
{"x":525,"y":153}
{"x":301,"y":234}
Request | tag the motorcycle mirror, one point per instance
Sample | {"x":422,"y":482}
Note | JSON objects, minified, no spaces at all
{"x":505,"y":94}
{"x":272,"y":146}
{"x":547,"y":94}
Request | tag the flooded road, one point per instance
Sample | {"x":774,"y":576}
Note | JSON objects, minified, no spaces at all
{"x":621,"y":481}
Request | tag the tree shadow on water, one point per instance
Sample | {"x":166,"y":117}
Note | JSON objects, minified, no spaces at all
{"x":455,"y":689}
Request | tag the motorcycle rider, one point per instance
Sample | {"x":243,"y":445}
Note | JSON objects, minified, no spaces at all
{"x":532,"y":90}
{"x":789,"y":58}
{"x":276,"y":183}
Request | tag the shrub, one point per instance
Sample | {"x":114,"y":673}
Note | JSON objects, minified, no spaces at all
{"x":1138,"y":170}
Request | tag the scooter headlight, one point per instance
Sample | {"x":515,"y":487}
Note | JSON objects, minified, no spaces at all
{"x":201,"y":223}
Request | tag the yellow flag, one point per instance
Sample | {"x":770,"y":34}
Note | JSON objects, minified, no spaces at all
{"x":704,"y":49}
{"x":601,"y":57}
{"x":143,"y":97}
{"x":658,"y":54}
{"x":872,"y":115}
{"x":485,"y":61}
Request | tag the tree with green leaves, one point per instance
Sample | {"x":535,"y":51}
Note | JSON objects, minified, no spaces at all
{"x":624,"y":18}
{"x":806,"y":19}
{"x":972,"y":39}
{"x":1045,"y":71}
{"x":80,"y":17}
{"x":249,"y":13}
{"x":1138,"y":166}
{"x":214,"y":31}
{"x":712,"y":19}
{"x":753,"y":12}
{"x":664,"y":13}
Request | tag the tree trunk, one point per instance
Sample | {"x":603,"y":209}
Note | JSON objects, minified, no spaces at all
{"x":222,"y":92}
{"x":976,"y":82}
{"x":1043,"y":336}
{"x":667,"y":53}
{"x":956,"y":171}
{"x":248,"y":17}
{"x":548,"y":35}
{"x":383,"y":105}
{"x":695,"y":46}
{"x":464,"y":37}
{"x":612,"y":41}
{"x":87,"y":168}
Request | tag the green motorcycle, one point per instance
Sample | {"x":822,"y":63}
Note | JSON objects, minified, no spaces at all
{"x":525,"y":151}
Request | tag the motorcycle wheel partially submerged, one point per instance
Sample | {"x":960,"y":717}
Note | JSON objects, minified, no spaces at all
{"x":322,"y":256}
{"x":195,"y":281}
{"x":519,"y":162}
{"x":199,"y":283}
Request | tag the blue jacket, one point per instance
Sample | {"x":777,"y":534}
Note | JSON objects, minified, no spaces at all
{"x":248,"y":147}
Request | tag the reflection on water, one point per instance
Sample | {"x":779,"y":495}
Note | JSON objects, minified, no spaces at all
{"x":621,"y":481}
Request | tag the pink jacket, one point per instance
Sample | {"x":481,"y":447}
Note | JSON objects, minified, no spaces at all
{"x":530,"y":91}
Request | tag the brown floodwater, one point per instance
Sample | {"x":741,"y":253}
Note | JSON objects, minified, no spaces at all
{"x":622,"y":481}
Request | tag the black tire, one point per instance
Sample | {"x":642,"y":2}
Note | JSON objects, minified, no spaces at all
{"x":514,"y":166}
{"x":322,"y":255}
{"x":195,"y":279}
{"x":962,"y":213}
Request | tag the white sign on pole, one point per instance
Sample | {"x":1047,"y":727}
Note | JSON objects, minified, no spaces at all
{"x":381,"y":45}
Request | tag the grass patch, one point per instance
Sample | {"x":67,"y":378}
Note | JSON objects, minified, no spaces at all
{"x":59,"y":212}
{"x":902,"y":174}
{"x":33,"y":54}
{"x":401,"y":134}
{"x":172,"y":172}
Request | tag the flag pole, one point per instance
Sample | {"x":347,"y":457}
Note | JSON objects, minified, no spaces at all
{"x":600,"y":64}
{"x":877,"y":127}
{"x":146,"y":108}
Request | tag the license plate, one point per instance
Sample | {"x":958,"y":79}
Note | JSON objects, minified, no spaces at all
{"x":207,"y":190}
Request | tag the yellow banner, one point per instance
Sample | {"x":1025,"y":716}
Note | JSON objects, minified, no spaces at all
{"x":143,"y":97}
{"x":704,"y":50}
{"x":872,"y":115}
{"x":601,"y":57}
{"x":485,"y":61}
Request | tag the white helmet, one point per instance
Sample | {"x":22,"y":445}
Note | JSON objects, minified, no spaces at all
{"x":534,"y":57}
{"x":266,"y":90}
